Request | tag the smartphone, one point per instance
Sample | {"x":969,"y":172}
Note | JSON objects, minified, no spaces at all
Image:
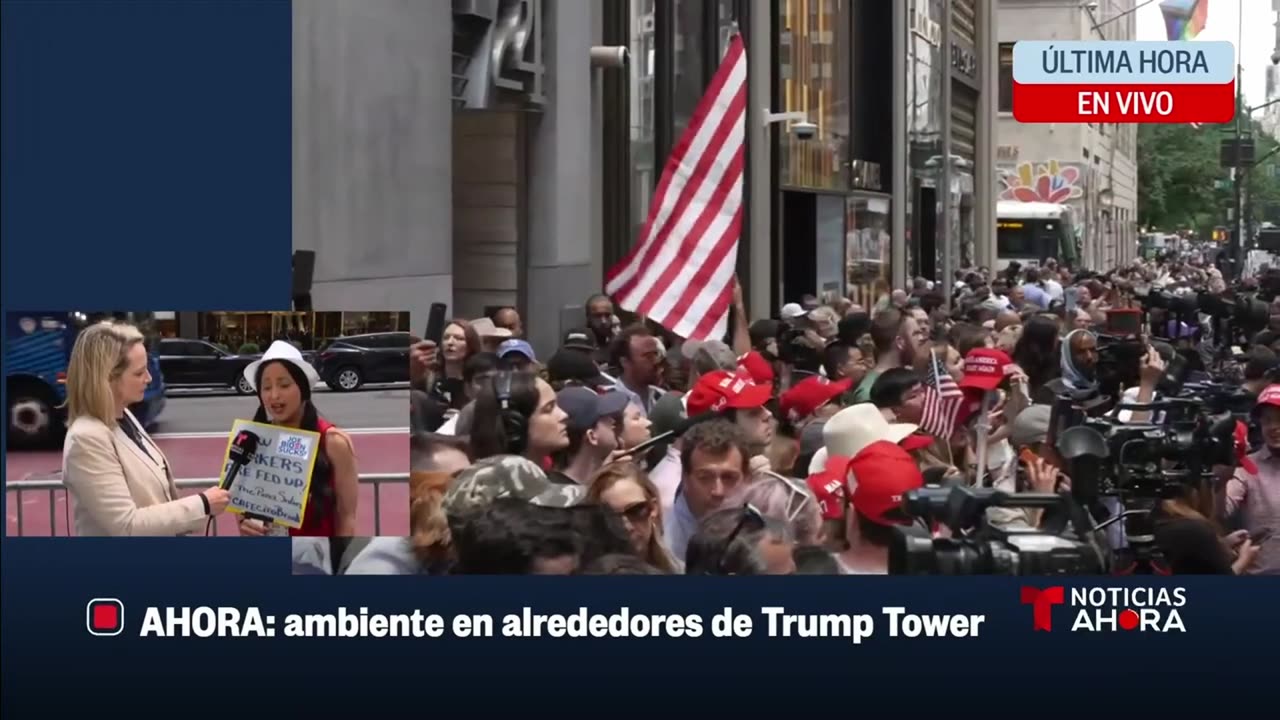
{"x":435,"y":323}
{"x":1070,"y":295}
{"x":1028,"y":457}
{"x":1261,"y":536}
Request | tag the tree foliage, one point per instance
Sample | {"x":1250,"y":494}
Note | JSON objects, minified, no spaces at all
{"x":1178,"y":174}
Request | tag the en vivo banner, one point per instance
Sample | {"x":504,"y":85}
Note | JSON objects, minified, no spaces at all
{"x":276,"y":481}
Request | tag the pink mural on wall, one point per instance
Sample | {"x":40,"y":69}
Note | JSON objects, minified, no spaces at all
{"x":1049,"y":182}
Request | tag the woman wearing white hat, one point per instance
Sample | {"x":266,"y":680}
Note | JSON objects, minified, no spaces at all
{"x":283,"y":381}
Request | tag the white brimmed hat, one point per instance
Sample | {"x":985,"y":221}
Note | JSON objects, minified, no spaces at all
{"x":857,"y":426}
{"x":281,"y":350}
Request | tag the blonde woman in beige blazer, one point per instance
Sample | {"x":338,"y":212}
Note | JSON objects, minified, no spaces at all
{"x":121,"y":481}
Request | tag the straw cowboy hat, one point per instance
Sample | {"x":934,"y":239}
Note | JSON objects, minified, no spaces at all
{"x":854,"y":428}
{"x":281,"y":350}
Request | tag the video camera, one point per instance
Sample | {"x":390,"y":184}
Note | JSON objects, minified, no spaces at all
{"x":1235,"y":313}
{"x":1147,"y":460}
{"x":978,"y":548}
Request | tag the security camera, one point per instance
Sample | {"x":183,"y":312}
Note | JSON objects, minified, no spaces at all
{"x":610,"y":56}
{"x":804,"y":130}
{"x":1275,"y":58}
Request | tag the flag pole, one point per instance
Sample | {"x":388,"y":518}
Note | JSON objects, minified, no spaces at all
{"x":1237,"y":242}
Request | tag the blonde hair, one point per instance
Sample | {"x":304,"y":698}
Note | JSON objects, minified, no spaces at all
{"x":656,"y":554}
{"x":99,"y":357}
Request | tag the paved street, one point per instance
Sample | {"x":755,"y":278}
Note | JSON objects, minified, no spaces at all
{"x":195,"y":411}
{"x":192,"y":432}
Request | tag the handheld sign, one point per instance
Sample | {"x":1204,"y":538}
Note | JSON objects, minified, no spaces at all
{"x":273,"y":486}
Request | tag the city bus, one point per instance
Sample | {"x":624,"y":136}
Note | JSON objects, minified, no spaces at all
{"x":37,"y":349}
{"x":1032,"y":232}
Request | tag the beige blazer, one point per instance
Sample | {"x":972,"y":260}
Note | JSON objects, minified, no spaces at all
{"x":119,"y":490}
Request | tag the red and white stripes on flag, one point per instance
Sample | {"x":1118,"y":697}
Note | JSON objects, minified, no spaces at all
{"x":942,"y":400}
{"x":680,"y":273}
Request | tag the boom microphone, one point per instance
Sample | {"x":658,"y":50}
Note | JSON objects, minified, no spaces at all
{"x":673,"y":434}
{"x":242,"y":451}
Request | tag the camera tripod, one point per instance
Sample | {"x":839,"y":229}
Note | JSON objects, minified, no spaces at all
{"x":1140,"y":556}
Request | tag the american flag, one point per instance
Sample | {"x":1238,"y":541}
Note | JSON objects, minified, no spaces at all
{"x":680,"y":273}
{"x":942,"y":399}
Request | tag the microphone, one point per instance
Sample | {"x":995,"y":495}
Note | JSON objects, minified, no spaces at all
{"x":673,"y":434}
{"x":242,"y":451}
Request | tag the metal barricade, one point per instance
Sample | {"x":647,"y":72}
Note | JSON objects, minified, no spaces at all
{"x":52,"y":484}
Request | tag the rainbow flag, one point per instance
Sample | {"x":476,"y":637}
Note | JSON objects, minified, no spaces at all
{"x":1184,"y":19}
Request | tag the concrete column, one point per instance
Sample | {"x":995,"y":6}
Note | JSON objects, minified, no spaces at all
{"x":984,"y":171}
{"x":563,"y":190}
{"x":760,"y":210}
{"x":189,"y":324}
{"x":898,"y":222}
{"x":371,"y":152}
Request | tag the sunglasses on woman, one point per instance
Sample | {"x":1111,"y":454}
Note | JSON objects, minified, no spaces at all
{"x":636,"y":513}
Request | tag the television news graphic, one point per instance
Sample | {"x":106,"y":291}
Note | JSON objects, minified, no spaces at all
{"x":104,"y":617}
{"x":1124,"y":82}
{"x":1099,"y":609}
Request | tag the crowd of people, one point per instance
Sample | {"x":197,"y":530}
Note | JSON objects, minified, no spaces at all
{"x":788,"y":446}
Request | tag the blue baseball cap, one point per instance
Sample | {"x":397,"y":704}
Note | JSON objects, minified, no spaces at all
{"x":516,"y":346}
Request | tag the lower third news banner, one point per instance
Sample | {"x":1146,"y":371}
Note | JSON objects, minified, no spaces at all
{"x":1017,"y":636}
{"x":1077,"y":609}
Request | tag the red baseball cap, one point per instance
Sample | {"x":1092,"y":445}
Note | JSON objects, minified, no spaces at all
{"x":1270,"y":396}
{"x":882,"y":473}
{"x":984,"y":368}
{"x":829,"y":488}
{"x":757,"y":367}
{"x":721,"y":390}
{"x":805,"y":397}
{"x":915,"y":441}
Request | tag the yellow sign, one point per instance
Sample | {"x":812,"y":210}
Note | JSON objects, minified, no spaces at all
{"x":276,"y":483}
{"x":1008,"y":225}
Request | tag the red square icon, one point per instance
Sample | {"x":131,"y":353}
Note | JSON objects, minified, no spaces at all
{"x":105,"y":616}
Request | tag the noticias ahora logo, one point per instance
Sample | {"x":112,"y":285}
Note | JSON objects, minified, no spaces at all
{"x":1097,"y":609}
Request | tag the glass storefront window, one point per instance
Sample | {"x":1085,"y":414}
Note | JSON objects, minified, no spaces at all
{"x":867,"y":249}
{"x":307,"y":330}
{"x":643,"y":168}
{"x":813,"y":57}
{"x":689,"y":68}
{"x":728,"y":23}
{"x":926,"y":72}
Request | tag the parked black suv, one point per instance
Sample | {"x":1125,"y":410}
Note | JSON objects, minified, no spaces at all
{"x":346,"y":363}
{"x":196,"y":363}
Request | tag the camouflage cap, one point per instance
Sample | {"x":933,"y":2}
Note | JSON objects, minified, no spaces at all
{"x":511,"y":476}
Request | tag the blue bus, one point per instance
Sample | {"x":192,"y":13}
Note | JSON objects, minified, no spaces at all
{"x":37,"y":349}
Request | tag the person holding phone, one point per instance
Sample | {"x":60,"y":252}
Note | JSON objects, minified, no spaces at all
{"x":458,"y":342}
{"x":1251,"y":497}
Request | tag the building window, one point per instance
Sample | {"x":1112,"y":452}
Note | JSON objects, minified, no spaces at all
{"x":867,"y":249}
{"x":1006,"y":77}
{"x":814,"y":50}
{"x":690,"y":69}
{"x":644,"y":165}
